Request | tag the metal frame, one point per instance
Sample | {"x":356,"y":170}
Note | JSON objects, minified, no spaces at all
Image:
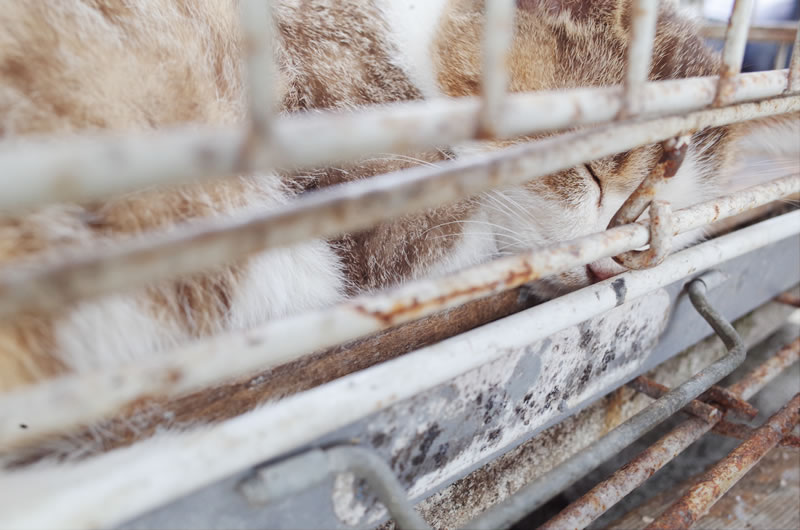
{"x":637,"y":113}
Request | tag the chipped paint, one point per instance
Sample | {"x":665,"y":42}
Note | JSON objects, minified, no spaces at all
{"x":502,"y":403}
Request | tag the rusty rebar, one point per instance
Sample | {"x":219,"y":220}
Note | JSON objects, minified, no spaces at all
{"x":544,"y":488}
{"x":656,"y":390}
{"x":720,"y":478}
{"x":711,"y":414}
{"x":743,"y":432}
{"x":606,"y":494}
{"x":730,"y":401}
{"x":674,"y":152}
{"x":766,"y":372}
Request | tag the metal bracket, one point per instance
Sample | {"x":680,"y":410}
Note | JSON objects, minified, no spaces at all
{"x":661,"y":230}
{"x":298,"y":473}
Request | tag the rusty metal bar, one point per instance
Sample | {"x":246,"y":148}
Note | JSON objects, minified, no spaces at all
{"x":302,"y":418}
{"x":547,"y":486}
{"x":498,"y":35}
{"x":656,"y":390}
{"x":640,"y":52}
{"x":730,"y":401}
{"x":660,"y":223}
{"x":350,"y":207}
{"x":748,"y":386}
{"x":63,"y":402}
{"x":743,"y":432}
{"x":606,"y":494}
{"x":719,"y":479}
{"x":76,"y":169}
{"x":298,"y":473}
{"x":733,"y":53}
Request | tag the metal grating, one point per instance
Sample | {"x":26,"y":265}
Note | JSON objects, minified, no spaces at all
{"x":621,"y":118}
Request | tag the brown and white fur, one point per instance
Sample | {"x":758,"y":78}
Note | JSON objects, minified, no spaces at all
{"x":69,"y":66}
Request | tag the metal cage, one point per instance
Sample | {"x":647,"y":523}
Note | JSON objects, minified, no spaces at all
{"x":380,"y":435}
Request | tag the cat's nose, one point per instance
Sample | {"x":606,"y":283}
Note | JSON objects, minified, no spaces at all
{"x":603,"y":269}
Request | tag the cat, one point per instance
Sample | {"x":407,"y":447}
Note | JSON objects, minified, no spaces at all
{"x":84,"y":66}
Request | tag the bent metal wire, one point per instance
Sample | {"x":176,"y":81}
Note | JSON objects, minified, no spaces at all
{"x":637,"y":113}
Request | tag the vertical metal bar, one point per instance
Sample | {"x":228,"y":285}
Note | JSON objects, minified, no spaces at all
{"x":732,"y":55}
{"x":794,"y":66}
{"x":640,"y":52}
{"x":535,"y":494}
{"x":781,"y":56}
{"x":727,"y":472}
{"x":257,"y":36}
{"x":497,"y":39}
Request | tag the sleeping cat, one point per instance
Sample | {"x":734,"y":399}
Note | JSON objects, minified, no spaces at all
{"x":138,"y":65}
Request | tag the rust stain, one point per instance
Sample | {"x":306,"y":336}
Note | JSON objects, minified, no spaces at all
{"x":730,"y":401}
{"x":695,"y":408}
{"x":672,"y":158}
{"x":719,"y":479}
{"x":403,"y":311}
{"x":785,"y":357}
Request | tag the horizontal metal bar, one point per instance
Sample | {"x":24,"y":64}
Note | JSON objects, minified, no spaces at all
{"x":656,"y":390}
{"x":776,"y":32}
{"x":720,"y":478}
{"x":64,"y":402}
{"x":740,"y":431}
{"x":77,"y":168}
{"x":300,"y":472}
{"x":733,"y":53}
{"x":518,"y":388}
{"x":756,"y":380}
{"x":302,"y":418}
{"x":731,"y":402}
{"x":535,"y":494}
{"x":349,"y":207}
{"x":609,"y":492}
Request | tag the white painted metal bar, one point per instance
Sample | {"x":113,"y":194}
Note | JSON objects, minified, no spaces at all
{"x":782,"y":55}
{"x":78,"y":168}
{"x":77,"y":399}
{"x":794,"y":66}
{"x":349,"y":207}
{"x":257,"y":32}
{"x":109,"y":489}
{"x":640,"y":52}
{"x":497,"y":38}
{"x":733,"y":53}
{"x":776,"y":32}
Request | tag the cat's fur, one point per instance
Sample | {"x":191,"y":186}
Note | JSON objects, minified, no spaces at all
{"x":71,"y":66}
